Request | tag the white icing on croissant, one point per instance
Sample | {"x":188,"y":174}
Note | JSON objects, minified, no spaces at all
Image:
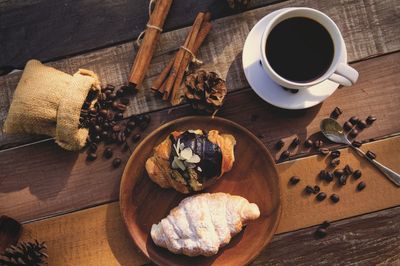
{"x":203,"y":223}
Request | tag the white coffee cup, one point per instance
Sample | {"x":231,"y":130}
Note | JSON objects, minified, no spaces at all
{"x":338,"y":71}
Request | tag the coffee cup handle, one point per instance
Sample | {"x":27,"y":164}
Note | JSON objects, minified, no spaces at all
{"x":344,"y":75}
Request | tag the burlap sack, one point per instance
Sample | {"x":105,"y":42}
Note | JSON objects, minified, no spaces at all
{"x":48,"y":102}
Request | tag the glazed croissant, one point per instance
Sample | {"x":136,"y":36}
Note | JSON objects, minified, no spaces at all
{"x":203,"y":223}
{"x":191,"y":160}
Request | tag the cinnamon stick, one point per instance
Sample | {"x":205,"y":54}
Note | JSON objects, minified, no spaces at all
{"x":163,"y":75}
{"x":181,"y":53}
{"x":175,"y":96}
{"x":148,"y":45}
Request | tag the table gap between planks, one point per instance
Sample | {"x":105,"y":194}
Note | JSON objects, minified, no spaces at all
{"x":38,"y":189}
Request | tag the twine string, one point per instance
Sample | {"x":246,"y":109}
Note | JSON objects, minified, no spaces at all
{"x":195,"y":60}
{"x":148,"y":25}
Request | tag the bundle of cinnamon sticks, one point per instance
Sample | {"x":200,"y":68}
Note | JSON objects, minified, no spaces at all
{"x":168,"y":83}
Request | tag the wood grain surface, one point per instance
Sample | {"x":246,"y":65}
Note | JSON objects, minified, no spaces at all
{"x":365,"y":38}
{"x":97,"y":236}
{"x":91,"y":25}
{"x":29,"y":174}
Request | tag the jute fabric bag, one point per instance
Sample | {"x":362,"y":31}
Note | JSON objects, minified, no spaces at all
{"x":48,"y":102}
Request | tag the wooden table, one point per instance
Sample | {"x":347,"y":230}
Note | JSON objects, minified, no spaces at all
{"x":73,"y":205}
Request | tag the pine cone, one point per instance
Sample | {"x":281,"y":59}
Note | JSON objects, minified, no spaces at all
{"x":205,"y":91}
{"x":238,"y":4}
{"x":32,"y":254}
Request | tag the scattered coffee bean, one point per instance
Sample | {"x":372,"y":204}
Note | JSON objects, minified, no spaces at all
{"x":357,"y":174}
{"x":362,"y":124}
{"x":308,"y":143}
{"x":342,"y":180}
{"x":354,"y":120}
{"x":118,"y":116}
{"x":329,"y":177}
{"x":93,"y":110}
{"x":335,"y":154}
{"x":91,"y":156}
{"x":325,"y":224}
{"x":143,"y":125}
{"x":309,"y":190}
{"x":317,"y":189}
{"x":334,"y":162}
{"x":131,"y":124}
{"x":285,"y":155}
{"x":347,"y":126}
{"x":108,"y":153}
{"x":357,"y":144}
{"x":334,"y":198}
{"x":371,"y":155}
{"x":318,"y":143}
{"x":323,"y":151}
{"x":361,"y":186}
{"x":294,"y":180}
{"x":295,"y":142}
{"x":353,"y":133}
{"x":117,"y":128}
{"x":321,"y":196}
{"x":348,"y":170}
{"x":97,"y":139}
{"x":279,"y":145}
{"x":336,"y":112}
{"x":116,"y":162}
{"x":322,"y":174}
{"x":371,"y":119}
{"x":136,"y":137}
{"x":92,"y":147}
{"x":320,"y":232}
{"x":338,"y":172}
{"x":104,"y":134}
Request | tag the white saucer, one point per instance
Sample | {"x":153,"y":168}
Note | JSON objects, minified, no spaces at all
{"x":270,"y":91}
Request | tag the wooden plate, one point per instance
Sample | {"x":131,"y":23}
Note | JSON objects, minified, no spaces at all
{"x":253,"y":176}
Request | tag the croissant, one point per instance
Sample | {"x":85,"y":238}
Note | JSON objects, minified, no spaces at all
{"x":203,"y":223}
{"x":191,"y":160}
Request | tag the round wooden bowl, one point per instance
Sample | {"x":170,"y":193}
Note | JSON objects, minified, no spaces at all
{"x":253,"y":176}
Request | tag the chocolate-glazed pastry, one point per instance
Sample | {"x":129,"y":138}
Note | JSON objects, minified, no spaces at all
{"x":191,"y":160}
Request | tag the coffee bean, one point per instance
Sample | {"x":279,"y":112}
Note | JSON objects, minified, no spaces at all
{"x":318,"y":143}
{"x":86,"y":105}
{"x":336,"y":112}
{"x":362,"y":124}
{"x":323,"y":151}
{"x":320,"y":232}
{"x":371,"y":119}
{"x":285,"y":154}
{"x":322,"y":175}
{"x":93,"y":110}
{"x":329,"y":177}
{"x":131,"y":89}
{"x":112,"y":96}
{"x":104,"y":134}
{"x":127,"y":131}
{"x":91,"y":156}
{"x":347,"y":126}
{"x":325,"y":224}
{"x":140,"y":119}
{"x":97,"y":128}
{"x":103,"y":112}
{"x":354,"y":133}
{"x":294,"y":180}
{"x":361,"y":186}
{"x":321,"y":196}
{"x":309,"y":190}
{"x":92,"y":147}
{"x":334,"y":198}
{"x":335,"y":154}
{"x":116,"y":162}
{"x":357,"y":174}
{"x":308,"y":143}
{"x":295,"y":142}
{"x":279,"y":144}
{"x":118,"y":106}
{"x":371,"y":155}
{"x":335,"y":162}
{"x":348,"y":170}
{"x":357,"y":144}
{"x":338,"y":172}
{"x":342,"y":180}
{"x":143,"y":125}
{"x":354,"y":120}
{"x":108,"y":153}
{"x":136,"y":137}
{"x":316,"y":189}
{"x":118,"y":116}
{"x":120,"y":92}
{"x":108,"y":92}
{"x":97,"y":139}
{"x":131,"y":124}
{"x":125,"y":147}
{"x":110,"y":87}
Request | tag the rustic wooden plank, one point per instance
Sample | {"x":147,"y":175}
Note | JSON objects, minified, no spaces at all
{"x":97,"y":236}
{"x":365,"y":37}
{"x":38,"y":28}
{"x":43,"y":163}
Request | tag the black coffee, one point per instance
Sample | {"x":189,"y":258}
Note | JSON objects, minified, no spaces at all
{"x":299,"y":49}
